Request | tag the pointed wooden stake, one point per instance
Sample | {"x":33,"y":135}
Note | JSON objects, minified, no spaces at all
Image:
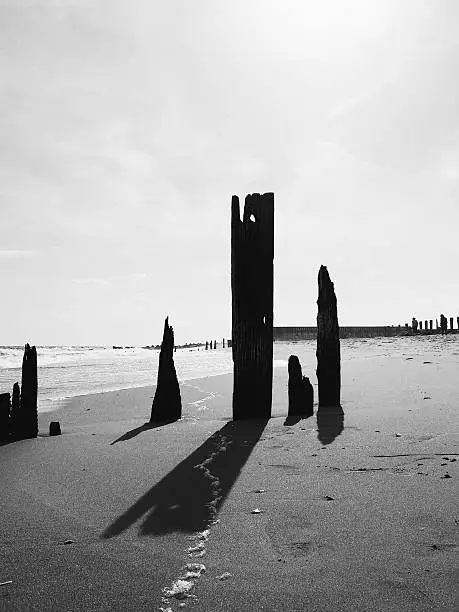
{"x":167,"y":403}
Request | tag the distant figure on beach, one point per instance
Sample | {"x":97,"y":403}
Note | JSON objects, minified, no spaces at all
{"x":443,"y":324}
{"x":414,"y":324}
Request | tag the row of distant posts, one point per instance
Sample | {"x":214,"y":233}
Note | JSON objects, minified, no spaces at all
{"x":428,"y":326}
{"x":213,"y":344}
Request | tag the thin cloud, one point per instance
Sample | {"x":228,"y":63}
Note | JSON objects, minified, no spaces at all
{"x":14,"y":253}
{"x":90,"y":281}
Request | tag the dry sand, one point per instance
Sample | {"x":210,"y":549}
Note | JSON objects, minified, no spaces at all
{"x":355,"y":515}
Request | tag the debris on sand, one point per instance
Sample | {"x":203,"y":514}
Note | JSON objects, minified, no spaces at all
{"x":180,"y":589}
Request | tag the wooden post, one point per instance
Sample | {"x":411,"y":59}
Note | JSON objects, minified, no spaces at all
{"x":426,"y":327}
{"x":215,"y":344}
{"x":223,"y":343}
{"x":15,"y":414}
{"x":431,"y":324}
{"x":300,"y":391}
{"x":443,"y":324}
{"x":451,"y":323}
{"x":207,"y":346}
{"x":55,"y":428}
{"x":252,"y":257}
{"x":457,"y":322}
{"x":420,"y":325}
{"x":328,"y":346}
{"x":5,"y":408}
{"x":29,"y":393}
{"x":167,"y":403}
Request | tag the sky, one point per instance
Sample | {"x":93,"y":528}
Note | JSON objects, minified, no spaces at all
{"x":126,"y":127}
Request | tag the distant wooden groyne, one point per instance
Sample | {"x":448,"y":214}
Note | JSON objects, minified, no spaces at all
{"x":285,"y":334}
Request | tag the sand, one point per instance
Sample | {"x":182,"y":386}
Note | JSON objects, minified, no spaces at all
{"x":319,"y":514}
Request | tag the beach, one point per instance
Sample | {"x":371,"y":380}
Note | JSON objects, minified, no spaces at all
{"x":352,"y":512}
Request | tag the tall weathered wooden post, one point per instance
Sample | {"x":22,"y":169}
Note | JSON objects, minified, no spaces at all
{"x":328,"y":345}
{"x":431,"y":324}
{"x":29,"y":393}
{"x":420,"y":325}
{"x":457,"y":322}
{"x":252,"y":261}
{"x":167,"y":403}
{"x":451,"y":323}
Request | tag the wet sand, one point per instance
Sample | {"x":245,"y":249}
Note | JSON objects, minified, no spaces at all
{"x":355,"y":511}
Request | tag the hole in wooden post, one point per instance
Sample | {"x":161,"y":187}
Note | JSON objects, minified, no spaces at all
{"x":252,"y":218}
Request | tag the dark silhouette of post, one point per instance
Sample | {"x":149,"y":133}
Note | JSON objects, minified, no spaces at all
{"x":15,"y":414}
{"x":252,"y":260}
{"x":167,"y":403}
{"x":28,"y":427}
{"x":223,"y":343}
{"x":328,"y":346}
{"x":207,"y":346}
{"x":55,"y":428}
{"x":5,"y":408}
{"x":215,"y":344}
{"x":426,"y":326}
{"x":420,"y":325}
{"x":431,"y":324}
{"x":436,"y":323}
{"x":414,"y":325}
{"x":451,"y":323}
{"x":443,"y":324}
{"x":300,"y":391}
{"x":457,"y":322}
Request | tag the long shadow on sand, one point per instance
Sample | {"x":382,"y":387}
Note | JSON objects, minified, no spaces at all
{"x":132,"y":433}
{"x":188,"y":498}
{"x":330,"y":423}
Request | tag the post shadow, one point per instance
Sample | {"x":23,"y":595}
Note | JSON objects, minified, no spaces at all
{"x":188,"y":498}
{"x":330,"y":423}
{"x":132,"y":433}
{"x":294,"y":419}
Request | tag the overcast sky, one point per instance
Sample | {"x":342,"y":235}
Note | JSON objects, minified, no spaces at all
{"x":126,"y":126}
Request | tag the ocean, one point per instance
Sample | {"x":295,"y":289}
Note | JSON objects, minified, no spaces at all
{"x":68,"y":371}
